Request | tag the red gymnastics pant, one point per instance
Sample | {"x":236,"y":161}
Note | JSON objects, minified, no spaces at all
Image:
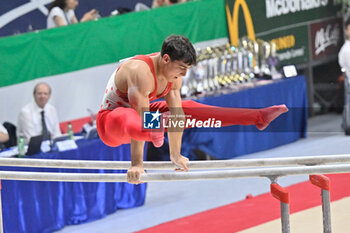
{"x":119,"y":126}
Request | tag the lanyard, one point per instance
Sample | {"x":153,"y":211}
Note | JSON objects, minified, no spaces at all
{"x":65,"y":16}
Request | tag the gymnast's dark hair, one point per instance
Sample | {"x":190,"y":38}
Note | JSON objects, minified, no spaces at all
{"x":179,"y":48}
{"x":60,"y":3}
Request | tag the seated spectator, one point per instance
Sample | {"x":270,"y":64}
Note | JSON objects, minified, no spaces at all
{"x":4,"y":136}
{"x":39,"y":117}
{"x":157,"y":3}
{"x":61,"y":13}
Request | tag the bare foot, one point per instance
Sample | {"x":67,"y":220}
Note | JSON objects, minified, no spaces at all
{"x":271,"y":113}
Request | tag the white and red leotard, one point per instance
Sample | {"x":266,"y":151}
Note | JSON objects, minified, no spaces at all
{"x":118,"y":123}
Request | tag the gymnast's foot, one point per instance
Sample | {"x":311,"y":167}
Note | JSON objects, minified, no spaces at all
{"x":271,"y":113}
{"x":157,"y":138}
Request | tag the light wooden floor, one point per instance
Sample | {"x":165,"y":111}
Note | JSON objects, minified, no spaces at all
{"x":310,"y":220}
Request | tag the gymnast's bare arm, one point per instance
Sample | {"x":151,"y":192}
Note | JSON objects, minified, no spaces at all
{"x":138,"y":83}
{"x":173,"y":100}
{"x":4,"y":137}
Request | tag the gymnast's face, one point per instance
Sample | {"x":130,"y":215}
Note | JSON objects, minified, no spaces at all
{"x":174,"y":69}
{"x":42,"y":95}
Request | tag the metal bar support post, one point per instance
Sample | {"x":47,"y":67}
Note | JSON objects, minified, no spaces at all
{"x":323,"y":182}
{"x":282,"y":195}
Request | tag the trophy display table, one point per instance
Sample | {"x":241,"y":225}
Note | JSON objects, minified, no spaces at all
{"x":229,"y":142}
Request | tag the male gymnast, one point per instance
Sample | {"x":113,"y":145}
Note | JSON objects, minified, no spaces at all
{"x":145,"y":78}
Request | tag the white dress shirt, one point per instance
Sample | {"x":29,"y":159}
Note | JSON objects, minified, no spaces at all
{"x":56,"y":11}
{"x":344,"y":57}
{"x":3,"y":129}
{"x":29,"y":121}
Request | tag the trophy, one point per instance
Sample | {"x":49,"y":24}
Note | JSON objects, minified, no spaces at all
{"x":210,"y":75}
{"x":209,"y":68}
{"x":215,"y":61}
{"x":235,"y":76}
{"x":230,"y":63}
{"x":247,"y":59}
{"x":273,"y":61}
{"x":201,"y":74}
{"x":251,"y":59}
{"x":251,"y":65}
{"x":220,"y":68}
{"x":240,"y":64}
{"x":204,"y":72}
{"x":185,"y":90}
{"x":265,"y":50}
{"x":188,"y":87}
{"x":199,"y":81}
{"x":192,"y":83}
{"x":228,"y":66}
{"x":213,"y":70}
{"x":254,"y":46}
{"x":221,"y":76}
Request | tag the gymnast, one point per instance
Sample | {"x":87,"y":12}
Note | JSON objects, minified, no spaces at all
{"x":145,"y":78}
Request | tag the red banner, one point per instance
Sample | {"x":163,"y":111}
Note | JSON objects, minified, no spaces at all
{"x":326,"y":38}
